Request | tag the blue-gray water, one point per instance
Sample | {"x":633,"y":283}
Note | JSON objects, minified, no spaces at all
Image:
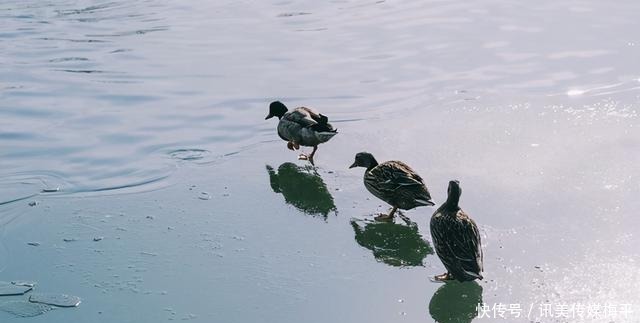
{"x":145,"y":122}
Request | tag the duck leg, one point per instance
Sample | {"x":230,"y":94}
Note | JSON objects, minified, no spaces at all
{"x":313,"y":152}
{"x":385,"y":217}
{"x":310,"y":156}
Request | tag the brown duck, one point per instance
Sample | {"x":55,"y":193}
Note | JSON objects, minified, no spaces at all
{"x":456,"y":239}
{"x":393,"y":182}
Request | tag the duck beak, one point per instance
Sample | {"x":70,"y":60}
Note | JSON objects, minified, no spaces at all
{"x":355,"y":164}
{"x":269,"y":116}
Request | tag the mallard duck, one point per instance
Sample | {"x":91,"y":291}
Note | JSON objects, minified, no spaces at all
{"x":456,"y":239}
{"x":393,"y":182}
{"x":301,"y":127}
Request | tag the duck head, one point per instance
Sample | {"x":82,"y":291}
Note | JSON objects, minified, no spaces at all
{"x":453,"y":194}
{"x":276,"y":109}
{"x":364,"y":159}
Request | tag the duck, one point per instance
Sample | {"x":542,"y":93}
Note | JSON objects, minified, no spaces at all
{"x":393,"y":182}
{"x":456,"y":239}
{"x":301,"y":127}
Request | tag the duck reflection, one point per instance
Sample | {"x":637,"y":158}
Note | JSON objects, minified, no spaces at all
{"x":456,"y":302}
{"x":303,"y":188}
{"x":392,"y":243}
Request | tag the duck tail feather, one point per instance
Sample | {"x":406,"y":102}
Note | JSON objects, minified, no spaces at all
{"x":425,"y":202}
{"x":473,"y":275}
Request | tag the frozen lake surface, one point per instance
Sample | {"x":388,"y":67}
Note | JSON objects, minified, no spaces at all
{"x":138,"y":175}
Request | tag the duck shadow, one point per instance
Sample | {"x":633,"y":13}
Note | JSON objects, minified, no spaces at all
{"x":303,"y":188}
{"x":398,"y":245}
{"x":456,"y":302}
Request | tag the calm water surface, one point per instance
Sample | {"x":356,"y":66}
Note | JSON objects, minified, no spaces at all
{"x":138,"y":173}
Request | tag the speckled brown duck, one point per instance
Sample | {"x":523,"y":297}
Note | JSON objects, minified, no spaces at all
{"x":393,"y":182}
{"x":456,"y":239}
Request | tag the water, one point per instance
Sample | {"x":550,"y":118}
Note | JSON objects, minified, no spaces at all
{"x":136,"y":130}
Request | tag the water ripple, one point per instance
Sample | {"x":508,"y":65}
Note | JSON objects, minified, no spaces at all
{"x":190,"y":154}
{"x":113,"y":95}
{"x":21,"y":186}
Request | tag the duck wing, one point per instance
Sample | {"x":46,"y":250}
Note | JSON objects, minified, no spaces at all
{"x":317,"y":117}
{"x":295,"y":125}
{"x":306,"y":127}
{"x":397,"y":184}
{"x":301,"y":116}
{"x":321,"y":121}
{"x":394,"y":174}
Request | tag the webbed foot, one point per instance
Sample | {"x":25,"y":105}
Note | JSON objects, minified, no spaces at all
{"x":443,"y":278}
